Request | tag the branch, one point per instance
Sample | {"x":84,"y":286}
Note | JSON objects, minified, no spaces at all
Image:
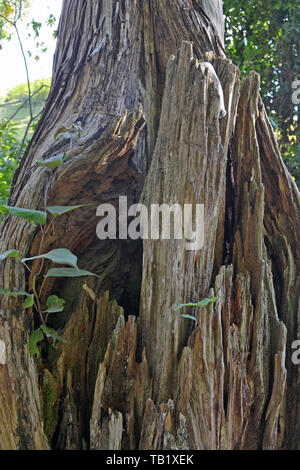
{"x":26,"y":68}
{"x":18,"y":12}
{"x":7,"y":20}
{"x":22,"y":105}
{"x":33,"y":118}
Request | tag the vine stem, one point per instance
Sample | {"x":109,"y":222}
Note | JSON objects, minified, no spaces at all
{"x":22,"y":106}
{"x":42,"y":287}
{"x":36,"y":274}
{"x":38,"y":301}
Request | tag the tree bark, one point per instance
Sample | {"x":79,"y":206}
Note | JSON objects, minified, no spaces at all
{"x":133,"y":373}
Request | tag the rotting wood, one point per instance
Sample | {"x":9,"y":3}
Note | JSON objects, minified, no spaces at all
{"x":155,"y":382}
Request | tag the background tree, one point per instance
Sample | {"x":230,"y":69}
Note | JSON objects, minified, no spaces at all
{"x":134,"y":373}
{"x":264,"y":36}
{"x":21,"y":108}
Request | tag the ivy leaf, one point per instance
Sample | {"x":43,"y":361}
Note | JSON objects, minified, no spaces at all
{"x":202,"y":303}
{"x":55,"y":304}
{"x":68,"y":272}
{"x":13,"y":294}
{"x":29,"y":301}
{"x":60,"y":210}
{"x":190,"y":317}
{"x":10,"y":254}
{"x":53,"y":162}
{"x":51,"y":333}
{"x":206,"y":302}
{"x":36,"y":337}
{"x":59,"y":256}
{"x":34,"y":217}
{"x":186,"y":305}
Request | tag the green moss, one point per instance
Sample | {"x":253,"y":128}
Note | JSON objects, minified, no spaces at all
{"x":50,"y":394}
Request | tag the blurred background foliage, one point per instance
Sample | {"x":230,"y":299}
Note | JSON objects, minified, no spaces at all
{"x":9,"y":145}
{"x":21,"y":106}
{"x":261,"y":35}
{"x":15,"y":102}
{"x":10,"y":12}
{"x":264,"y":35}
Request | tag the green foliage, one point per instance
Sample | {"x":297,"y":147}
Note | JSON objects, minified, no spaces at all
{"x":34,"y":29}
{"x":29,"y":301}
{"x":38,"y":336}
{"x":12,"y":133}
{"x":32,"y":216}
{"x":20,"y":92}
{"x":68,"y":272}
{"x":60,"y":210}
{"x":13,"y":294}
{"x":51,"y":333}
{"x":189,"y":317}
{"x":25,"y":101}
{"x":8,"y":158}
{"x":35,"y":338}
{"x":61,"y":256}
{"x":29,"y":297}
{"x":9,"y":254}
{"x":264,"y":36}
{"x":6,"y":11}
{"x":55,"y":304}
{"x":10,"y":12}
{"x":203,"y":303}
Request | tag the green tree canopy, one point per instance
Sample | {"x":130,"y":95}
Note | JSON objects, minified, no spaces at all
{"x":263,"y":35}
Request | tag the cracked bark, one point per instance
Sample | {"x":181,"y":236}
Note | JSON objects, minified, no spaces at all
{"x":134,"y":374}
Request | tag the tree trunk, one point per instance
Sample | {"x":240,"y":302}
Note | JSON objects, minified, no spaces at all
{"x":134,"y":374}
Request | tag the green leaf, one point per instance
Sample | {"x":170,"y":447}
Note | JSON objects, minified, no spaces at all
{"x":29,"y":301}
{"x":60,"y":210}
{"x":55,"y":304}
{"x":202,"y":303}
{"x":186,"y":305}
{"x":36,"y":337}
{"x":179,"y":307}
{"x":13,"y":294}
{"x":53,"y":162}
{"x":206,"y":302}
{"x":190,"y":317}
{"x":51,"y":333}
{"x":68,"y":272}
{"x":34,"y":217}
{"x":10,"y":254}
{"x":59,"y":256}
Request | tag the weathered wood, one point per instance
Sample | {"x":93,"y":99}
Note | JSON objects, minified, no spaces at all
{"x":222,"y":386}
{"x":150,"y":121}
{"x":118,"y":142}
{"x":254,"y":250}
{"x":110,"y":57}
{"x":188,"y":167}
